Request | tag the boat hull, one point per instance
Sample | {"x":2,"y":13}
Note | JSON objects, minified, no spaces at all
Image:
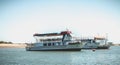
{"x":98,"y":47}
{"x":70,"y":49}
{"x":103,"y":47}
{"x":53,"y":48}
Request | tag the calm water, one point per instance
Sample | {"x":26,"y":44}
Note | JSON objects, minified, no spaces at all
{"x":19,"y":56}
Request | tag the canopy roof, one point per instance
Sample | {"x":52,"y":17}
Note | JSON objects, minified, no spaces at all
{"x":100,"y":38}
{"x":53,"y":34}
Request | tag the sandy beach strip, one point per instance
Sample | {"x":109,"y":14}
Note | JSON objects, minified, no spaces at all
{"x":15,"y":45}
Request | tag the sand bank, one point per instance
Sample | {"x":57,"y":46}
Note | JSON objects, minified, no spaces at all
{"x":15,"y":45}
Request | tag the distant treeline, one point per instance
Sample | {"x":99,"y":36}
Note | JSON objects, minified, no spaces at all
{"x":1,"y":42}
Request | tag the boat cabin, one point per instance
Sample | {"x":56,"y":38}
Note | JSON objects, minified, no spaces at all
{"x":53,"y":39}
{"x":100,"y":40}
{"x":93,"y":42}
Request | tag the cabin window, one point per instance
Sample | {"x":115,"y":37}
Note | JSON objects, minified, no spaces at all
{"x":49,"y":44}
{"x":53,"y":44}
{"x":93,"y":41}
{"x":45,"y":44}
{"x":58,"y":43}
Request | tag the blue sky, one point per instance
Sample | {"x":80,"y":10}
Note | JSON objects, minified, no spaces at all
{"x":20,"y":19}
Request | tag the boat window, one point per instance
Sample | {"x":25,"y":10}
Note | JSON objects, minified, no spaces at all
{"x":58,"y":43}
{"x":93,"y":41}
{"x":44,"y":44}
{"x":49,"y":44}
{"x":100,"y":41}
{"x":89,"y":41}
{"x":53,"y":44}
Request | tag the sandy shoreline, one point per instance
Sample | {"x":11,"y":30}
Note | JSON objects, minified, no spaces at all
{"x":14,"y":45}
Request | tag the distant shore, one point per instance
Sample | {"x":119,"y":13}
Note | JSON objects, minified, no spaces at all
{"x":117,"y":44}
{"x":23,"y":45}
{"x":14,"y":45}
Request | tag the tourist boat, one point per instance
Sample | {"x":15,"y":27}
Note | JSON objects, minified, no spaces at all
{"x":95,"y":43}
{"x":62,"y":41}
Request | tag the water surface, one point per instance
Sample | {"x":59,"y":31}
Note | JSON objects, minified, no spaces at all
{"x":19,"y":56}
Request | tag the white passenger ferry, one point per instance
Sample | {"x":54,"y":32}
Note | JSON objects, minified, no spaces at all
{"x":62,"y":41}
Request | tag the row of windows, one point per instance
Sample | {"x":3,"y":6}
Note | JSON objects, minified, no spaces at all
{"x":52,"y":44}
{"x":50,"y":40}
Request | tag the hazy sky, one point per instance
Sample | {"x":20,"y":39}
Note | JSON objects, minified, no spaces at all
{"x":20,"y":19}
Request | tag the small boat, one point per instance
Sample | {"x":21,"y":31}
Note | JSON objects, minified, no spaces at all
{"x":95,"y":43}
{"x":62,"y":41}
